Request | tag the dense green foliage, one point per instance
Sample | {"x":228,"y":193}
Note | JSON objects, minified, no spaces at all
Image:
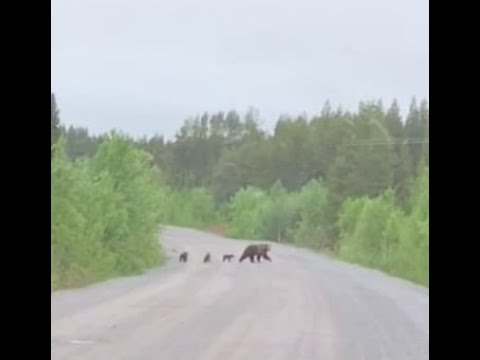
{"x":105,"y":214}
{"x":355,"y":183}
{"x":377,"y":233}
{"x":374,"y":231}
{"x":190,"y":208}
{"x":54,"y":121}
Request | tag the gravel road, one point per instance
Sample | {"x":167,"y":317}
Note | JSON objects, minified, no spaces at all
{"x":300,"y":306}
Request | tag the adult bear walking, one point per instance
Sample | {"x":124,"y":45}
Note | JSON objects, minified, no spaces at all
{"x":258,"y":251}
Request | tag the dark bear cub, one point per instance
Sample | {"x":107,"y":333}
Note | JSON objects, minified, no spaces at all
{"x":227,"y":257}
{"x":183,"y":257}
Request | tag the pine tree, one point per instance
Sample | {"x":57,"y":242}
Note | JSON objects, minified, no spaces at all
{"x":415,"y":135}
{"x":425,"y":121}
{"x":401,"y":167}
{"x":54,"y":121}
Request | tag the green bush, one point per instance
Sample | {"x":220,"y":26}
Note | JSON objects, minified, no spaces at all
{"x":245,"y":214}
{"x":278,"y":213}
{"x":311,"y":227}
{"x":375,"y":232}
{"x":191,"y":208}
{"x":105,"y":214}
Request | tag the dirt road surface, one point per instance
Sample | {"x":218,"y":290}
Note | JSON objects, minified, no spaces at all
{"x":300,"y":306}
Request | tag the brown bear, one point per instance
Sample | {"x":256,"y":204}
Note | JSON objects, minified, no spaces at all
{"x":258,"y":251}
{"x":262,"y":252}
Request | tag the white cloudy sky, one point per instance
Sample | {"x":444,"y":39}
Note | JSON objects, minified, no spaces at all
{"x":143,"y":66}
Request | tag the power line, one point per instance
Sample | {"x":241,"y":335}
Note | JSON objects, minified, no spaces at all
{"x":368,"y":142}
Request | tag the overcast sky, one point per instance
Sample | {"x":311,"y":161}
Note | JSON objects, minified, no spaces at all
{"x":143,"y":66}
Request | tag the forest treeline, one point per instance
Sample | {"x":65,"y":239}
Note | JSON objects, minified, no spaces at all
{"x":355,"y":183}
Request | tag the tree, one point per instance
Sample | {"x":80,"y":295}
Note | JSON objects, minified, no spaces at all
{"x":425,"y":122}
{"x":363,"y":224}
{"x":311,"y":229}
{"x":364,"y":165}
{"x":401,"y":165}
{"x":54,"y":121}
{"x":415,"y":132}
{"x":244,"y":214}
{"x":279,"y":213}
{"x":79,"y":143}
{"x":131,"y":233}
{"x":290,"y":142}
